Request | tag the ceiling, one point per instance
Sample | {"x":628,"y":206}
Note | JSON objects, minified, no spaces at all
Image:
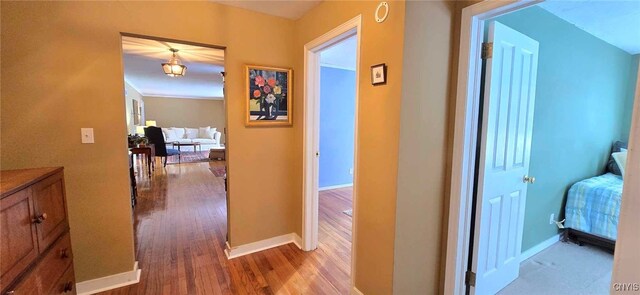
{"x":341,"y":55}
{"x":143,"y":70}
{"x":287,"y":8}
{"x":615,"y":22}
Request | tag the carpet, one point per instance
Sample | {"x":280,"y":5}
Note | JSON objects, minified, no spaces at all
{"x":564,"y":268}
{"x":218,"y":171}
{"x":190,"y":157}
{"x":348,"y":212}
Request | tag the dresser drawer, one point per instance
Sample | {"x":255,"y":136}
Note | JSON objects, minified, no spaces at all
{"x":18,"y":241}
{"x":50,"y":209}
{"x":66,"y":284}
{"x":46,"y":276}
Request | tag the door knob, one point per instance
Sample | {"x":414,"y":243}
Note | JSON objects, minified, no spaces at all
{"x":529,"y":179}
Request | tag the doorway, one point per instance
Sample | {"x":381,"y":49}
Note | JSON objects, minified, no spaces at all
{"x":332,"y":57}
{"x":176,"y":121}
{"x":471,"y":143}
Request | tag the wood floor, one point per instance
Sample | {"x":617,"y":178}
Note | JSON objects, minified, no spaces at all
{"x":180,"y":229}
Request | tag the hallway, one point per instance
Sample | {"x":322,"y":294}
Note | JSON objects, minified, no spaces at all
{"x":180,"y":229}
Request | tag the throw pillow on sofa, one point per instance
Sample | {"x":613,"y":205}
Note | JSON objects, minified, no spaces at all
{"x":191,"y":133}
{"x":169,"y":135}
{"x":180,"y":132}
{"x":203,"y":132}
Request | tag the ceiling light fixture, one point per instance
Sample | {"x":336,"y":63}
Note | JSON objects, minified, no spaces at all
{"x":173,"y":68}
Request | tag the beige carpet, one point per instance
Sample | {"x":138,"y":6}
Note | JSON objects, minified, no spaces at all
{"x":564,"y":268}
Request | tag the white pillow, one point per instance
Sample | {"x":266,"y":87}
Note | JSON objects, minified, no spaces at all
{"x":169,"y":135}
{"x":621,"y":160}
{"x":179,"y":132}
{"x":203,"y":132}
{"x":211,"y":133}
{"x":191,"y":133}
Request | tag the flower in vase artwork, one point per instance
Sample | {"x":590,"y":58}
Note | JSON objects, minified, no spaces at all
{"x":268,"y":95}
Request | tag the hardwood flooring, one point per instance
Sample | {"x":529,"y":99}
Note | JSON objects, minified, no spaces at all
{"x":180,"y":230}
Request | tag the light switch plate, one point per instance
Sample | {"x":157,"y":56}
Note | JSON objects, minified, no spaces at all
{"x":87,"y":135}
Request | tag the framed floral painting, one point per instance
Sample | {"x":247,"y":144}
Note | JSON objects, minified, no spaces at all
{"x":268,"y":96}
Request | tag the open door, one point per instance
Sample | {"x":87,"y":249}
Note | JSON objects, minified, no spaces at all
{"x":503,"y":174}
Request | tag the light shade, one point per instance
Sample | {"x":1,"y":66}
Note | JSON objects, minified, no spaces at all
{"x":150,"y":123}
{"x":173,"y":67}
{"x":140,"y":130}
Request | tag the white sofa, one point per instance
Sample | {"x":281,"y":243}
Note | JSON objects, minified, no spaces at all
{"x":207,"y":137}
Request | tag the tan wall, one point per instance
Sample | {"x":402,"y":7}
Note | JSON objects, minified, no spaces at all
{"x":378,"y":126}
{"x":183,"y":112}
{"x":62,"y":71}
{"x":422,"y":176}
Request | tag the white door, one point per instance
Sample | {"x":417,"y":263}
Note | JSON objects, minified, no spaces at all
{"x":509,"y":96}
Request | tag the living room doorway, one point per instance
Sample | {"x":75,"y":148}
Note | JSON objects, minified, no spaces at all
{"x":176,"y":126}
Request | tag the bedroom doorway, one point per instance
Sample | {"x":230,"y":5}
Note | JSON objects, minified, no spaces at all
{"x":330,"y":143}
{"x":497,"y":220}
{"x":504,"y":157}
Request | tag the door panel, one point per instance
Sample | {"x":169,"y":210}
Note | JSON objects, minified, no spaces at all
{"x":504,"y":158}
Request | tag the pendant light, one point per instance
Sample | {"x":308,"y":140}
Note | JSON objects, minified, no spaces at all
{"x":173,"y":68}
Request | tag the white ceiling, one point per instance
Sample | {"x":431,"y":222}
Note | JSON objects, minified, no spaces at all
{"x":341,"y":55}
{"x":615,"y":22}
{"x":143,"y":70}
{"x":291,"y":9}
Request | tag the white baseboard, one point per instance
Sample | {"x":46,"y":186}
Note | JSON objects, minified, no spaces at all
{"x":355,"y":291}
{"x":297,"y":240}
{"x":233,"y":252}
{"x":538,"y":248}
{"x":326,"y":188}
{"x":109,"y":282}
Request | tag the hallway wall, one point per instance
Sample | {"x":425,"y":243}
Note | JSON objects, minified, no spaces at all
{"x":58,"y":76}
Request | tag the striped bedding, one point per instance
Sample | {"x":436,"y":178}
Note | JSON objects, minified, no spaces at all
{"x":593,"y":206}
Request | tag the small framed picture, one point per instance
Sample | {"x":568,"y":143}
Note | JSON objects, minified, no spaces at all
{"x":379,"y":74}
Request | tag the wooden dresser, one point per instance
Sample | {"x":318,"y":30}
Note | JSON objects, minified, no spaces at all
{"x":35,"y":248}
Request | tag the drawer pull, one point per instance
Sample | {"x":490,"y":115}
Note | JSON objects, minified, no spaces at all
{"x":68,"y":287}
{"x":40,"y":219}
{"x":64,"y":253}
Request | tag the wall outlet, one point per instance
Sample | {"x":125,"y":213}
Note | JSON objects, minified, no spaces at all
{"x":351,"y":171}
{"x":552,"y":218}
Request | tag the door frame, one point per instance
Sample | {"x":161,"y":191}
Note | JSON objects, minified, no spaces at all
{"x":465,"y":141}
{"x":224,"y":99}
{"x":311,"y":136}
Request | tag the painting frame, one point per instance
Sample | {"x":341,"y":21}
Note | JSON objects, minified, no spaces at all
{"x":379,"y":74}
{"x":135,"y":112}
{"x":267,"y":99}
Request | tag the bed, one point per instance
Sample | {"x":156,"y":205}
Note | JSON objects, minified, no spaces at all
{"x":593,"y":207}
